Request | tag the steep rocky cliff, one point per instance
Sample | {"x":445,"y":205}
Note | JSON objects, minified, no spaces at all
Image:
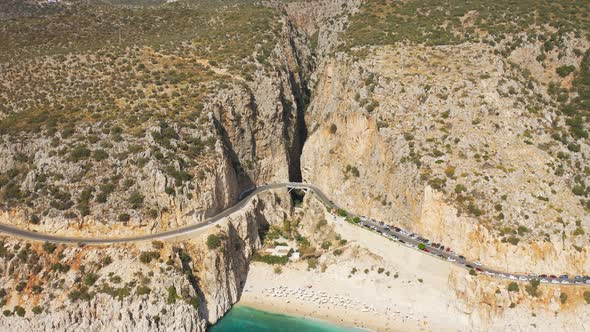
{"x":436,"y":143}
{"x":466,"y":122}
{"x":182,"y":285}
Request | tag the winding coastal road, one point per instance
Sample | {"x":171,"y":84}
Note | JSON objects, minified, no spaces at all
{"x":393,"y":233}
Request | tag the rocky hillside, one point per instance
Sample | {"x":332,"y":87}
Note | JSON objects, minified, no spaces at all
{"x":466,"y":122}
{"x":182,"y":285}
{"x":479,"y":142}
{"x":139,"y":126}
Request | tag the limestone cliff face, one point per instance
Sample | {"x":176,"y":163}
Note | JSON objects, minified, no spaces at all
{"x":217,"y":190}
{"x":431,"y":139}
{"x":262,"y":122}
{"x":487,"y":305}
{"x":187,"y":288}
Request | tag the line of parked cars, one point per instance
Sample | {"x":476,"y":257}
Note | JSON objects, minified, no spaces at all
{"x":563,"y":279}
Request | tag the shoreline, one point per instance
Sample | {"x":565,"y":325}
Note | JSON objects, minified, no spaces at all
{"x":266,"y":308}
{"x":294,"y":293}
{"x":372,"y":284}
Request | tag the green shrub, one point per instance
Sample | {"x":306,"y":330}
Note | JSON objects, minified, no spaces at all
{"x":49,"y":247}
{"x":90,"y":279}
{"x":513,"y":287}
{"x":459,"y":188}
{"x":136,"y":200}
{"x":213,"y":241}
{"x":147,"y":256}
{"x":142,"y":290}
{"x":532,"y":288}
{"x":270,"y":259}
{"x":99,"y":155}
{"x":474,"y":210}
{"x":172,"y":295}
{"x":60,"y":267}
{"x":194,"y":302}
{"x":513,"y":240}
{"x":312,"y":263}
{"x":19,"y":311}
{"x":80,"y":152}
{"x":37,"y":310}
{"x":563,"y":71}
{"x":80,"y":294}
{"x":587,"y":297}
{"x":107,"y":260}
{"x":34,"y":219}
{"x":124,"y":217}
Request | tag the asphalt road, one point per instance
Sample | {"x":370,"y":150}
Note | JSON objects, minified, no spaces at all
{"x":398,"y":235}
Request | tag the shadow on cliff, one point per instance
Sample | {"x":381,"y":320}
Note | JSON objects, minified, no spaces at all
{"x":244,"y":179}
{"x":239,"y":248}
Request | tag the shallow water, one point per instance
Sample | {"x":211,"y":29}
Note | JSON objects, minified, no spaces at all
{"x":245,"y":319}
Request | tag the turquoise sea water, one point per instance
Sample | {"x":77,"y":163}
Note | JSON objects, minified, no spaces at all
{"x":246,"y":319}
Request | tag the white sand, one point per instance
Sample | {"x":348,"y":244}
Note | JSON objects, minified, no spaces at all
{"x":369,"y":300}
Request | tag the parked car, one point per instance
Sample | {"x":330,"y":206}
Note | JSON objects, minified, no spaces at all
{"x":523,"y":278}
{"x":478,"y":269}
{"x":478,"y":263}
{"x":469,"y":266}
{"x":451,"y":259}
{"x":512,"y":277}
{"x":564,"y":276}
{"x":552,"y":276}
{"x":578,"y":278}
{"x":555,"y":281}
{"x":462,"y":257}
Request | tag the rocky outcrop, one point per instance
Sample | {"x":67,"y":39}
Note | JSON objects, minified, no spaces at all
{"x":193,"y":288}
{"x":430,"y":139}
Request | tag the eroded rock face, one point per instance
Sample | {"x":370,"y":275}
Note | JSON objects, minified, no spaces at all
{"x":440,"y":141}
{"x":205,"y":282}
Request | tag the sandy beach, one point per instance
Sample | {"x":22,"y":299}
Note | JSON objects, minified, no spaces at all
{"x":375,"y":284}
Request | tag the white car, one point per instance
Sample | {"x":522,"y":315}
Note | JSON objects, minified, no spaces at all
{"x":523,"y":278}
{"x":478,"y":263}
{"x":490,"y":273}
{"x":544,"y":280}
{"x":588,"y":281}
{"x":555,"y":281}
{"x":501,"y":275}
{"x":451,"y":259}
{"x":565,"y":282}
{"x":512,"y":277}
